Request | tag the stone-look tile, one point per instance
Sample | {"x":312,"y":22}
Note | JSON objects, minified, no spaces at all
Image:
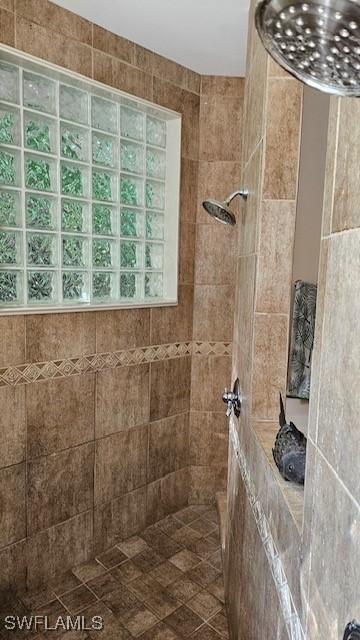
{"x":174,"y":323}
{"x":7,"y":4}
{"x":334,"y":592}
{"x":143,"y":58}
{"x":330,"y":165}
{"x":166,"y":495}
{"x":203,"y":526}
{"x":7,"y":27}
{"x":132,"y":80}
{"x":89,"y":570}
{"x":205,"y":633}
{"x":210,"y":373}
{"x":47,"y":13}
{"x":78,"y":599}
{"x":338,"y":395}
{"x":205,"y":605}
{"x":13,"y":567}
{"x":269,"y":364}
{"x":187,"y":253}
{"x":185,"y":560}
{"x":145,"y":587}
{"x":169,"y":70}
{"x":165,"y":573}
{"x":120,"y":404}
{"x":275,"y":71}
{"x":217,"y":179}
{"x":169,"y":525}
{"x":113,"y":44}
{"x":255,"y":92}
{"x":103,"y":584}
{"x":53,"y":46}
{"x":54,"y":551}
{"x":103,"y":68}
{"x":219,"y":622}
{"x":275,"y":260}
{"x":160,"y":632}
{"x":59,"y":487}
{"x":132,"y":546}
{"x":112,"y":627}
{"x":12,"y":341}
{"x":56,"y":336}
{"x":188,"y":104}
{"x":346,"y":213}
{"x":147,"y":560}
{"x":119,"y":519}
{"x":60,"y":414}
{"x":205,"y":482}
{"x":213,"y":313}
{"x":220,"y":127}
{"x":120,"y":464}
{"x":188,"y":190}
{"x":183,"y":589}
{"x":123,"y":329}
{"x":283,"y":122}
{"x":205,"y":548}
{"x":208,"y":438}
{"x":168,"y":446}
{"x":169,"y":387}
{"x":222,"y":86}
{"x":186,"y":536}
{"x":215,"y":254}
{"x":111,"y":557}
{"x":65,"y":583}
{"x":12,"y":505}
{"x":121,"y":601}
{"x":126,"y":572}
{"x":184,"y":621}
{"x":162,"y":604}
{"x":138,"y":620}
{"x":186,"y":515}
{"x":12,"y":425}
{"x":249,"y":218}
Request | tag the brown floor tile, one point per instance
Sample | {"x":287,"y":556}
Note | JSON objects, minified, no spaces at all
{"x":219,"y":622}
{"x":212,"y":515}
{"x":103,"y":584}
{"x":165,"y":573}
{"x":202,"y":526}
{"x":138,"y":620}
{"x":183,"y":589}
{"x":205,"y":633}
{"x":51,"y":611}
{"x":34,"y":600}
{"x":112,"y":627}
{"x":89,"y":570}
{"x":66,"y":583}
{"x":145,"y":587}
{"x":186,"y":515}
{"x":204,"y":573}
{"x":169,"y":525}
{"x":162,"y":604}
{"x":132,"y":546}
{"x":148,"y":560}
{"x":203,"y":548}
{"x":200,"y":508}
{"x":161,"y":542}
{"x":121,"y":601}
{"x":78,"y":599}
{"x":111,"y":558}
{"x":185,"y":560}
{"x":217,"y":589}
{"x":126,"y":572}
{"x":214,"y":537}
{"x":160,"y":632}
{"x":184,"y":621}
{"x":216,"y":560}
{"x":186,"y":536}
{"x":205,"y":605}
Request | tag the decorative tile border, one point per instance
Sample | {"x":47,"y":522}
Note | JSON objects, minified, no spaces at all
{"x":291,"y":617}
{"x":37,"y":371}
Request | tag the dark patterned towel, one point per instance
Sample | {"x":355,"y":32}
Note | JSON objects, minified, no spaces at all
{"x":302,"y":339}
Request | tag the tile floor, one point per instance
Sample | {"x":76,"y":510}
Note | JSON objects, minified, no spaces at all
{"x":165,"y":584}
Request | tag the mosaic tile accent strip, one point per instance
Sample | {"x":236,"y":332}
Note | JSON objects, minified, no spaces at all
{"x":38,"y":371}
{"x":291,"y":617}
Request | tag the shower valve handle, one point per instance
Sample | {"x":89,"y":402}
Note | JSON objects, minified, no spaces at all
{"x":233,"y":399}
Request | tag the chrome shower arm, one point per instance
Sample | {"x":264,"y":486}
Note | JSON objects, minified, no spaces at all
{"x":243,"y":193}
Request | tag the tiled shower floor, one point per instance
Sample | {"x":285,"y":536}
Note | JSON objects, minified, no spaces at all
{"x":165,"y":584}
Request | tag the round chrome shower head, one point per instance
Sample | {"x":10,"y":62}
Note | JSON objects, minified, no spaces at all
{"x":220,"y":211}
{"x":317,"y":42}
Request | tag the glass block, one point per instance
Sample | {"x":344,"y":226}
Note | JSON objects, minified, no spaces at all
{"x":155,"y":163}
{"x":9,"y":168}
{"x":9,"y":125}
{"x":39,"y":93}
{"x":104,"y":285}
{"x":155,"y":195}
{"x":155,"y":131}
{"x":39,"y":133}
{"x":10,"y":287}
{"x":104,"y":253}
{"x":41,"y":249}
{"x":131,"y":223}
{"x":132,"y":157}
{"x":104,"y":114}
{"x":131,"y":191}
{"x":154,"y":256}
{"x":153,"y":285}
{"x":74,"y":251}
{"x":41,"y":286}
{"x":130,"y":254}
{"x":103,"y":185}
{"x":74,"y":180}
{"x":104,"y":150}
{"x":75,"y":286}
{"x":130,"y":285}
{"x":74,"y":215}
{"x":9,"y":83}
{"x":73,"y":104}
{"x":131,"y":123}
{"x":10,"y":247}
{"x":40,"y":211}
{"x":74,"y":142}
{"x":10,"y":203}
{"x":104,"y":220}
{"x":40,"y":173}
{"x":154,"y":225}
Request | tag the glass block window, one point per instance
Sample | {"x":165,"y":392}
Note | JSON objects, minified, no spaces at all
{"x":89,"y":193}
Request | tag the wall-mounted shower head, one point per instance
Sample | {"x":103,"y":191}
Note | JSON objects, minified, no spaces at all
{"x":221,"y":211}
{"x":317,"y":42}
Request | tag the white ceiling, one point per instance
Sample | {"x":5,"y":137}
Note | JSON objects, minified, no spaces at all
{"x":208,"y":36}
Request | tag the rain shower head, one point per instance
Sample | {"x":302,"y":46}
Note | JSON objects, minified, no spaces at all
{"x":317,"y":42}
{"x":221,"y":210}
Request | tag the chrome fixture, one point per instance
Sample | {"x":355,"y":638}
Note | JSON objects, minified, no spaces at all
{"x":221,"y":211}
{"x":233,"y":399}
{"x":352,"y":631}
{"x":317,"y":42}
